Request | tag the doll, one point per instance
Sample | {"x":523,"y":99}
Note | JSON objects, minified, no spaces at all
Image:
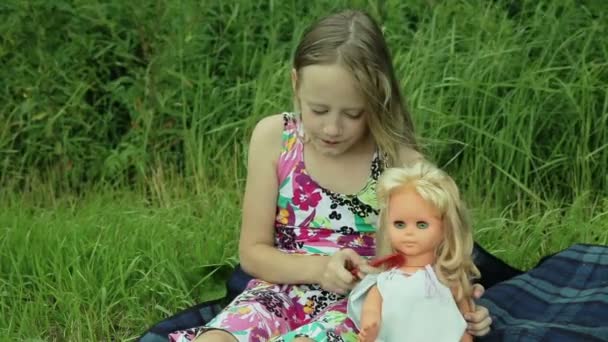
{"x":425,"y":293}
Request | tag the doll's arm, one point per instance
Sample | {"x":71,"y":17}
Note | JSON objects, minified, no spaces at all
{"x":371,"y":314}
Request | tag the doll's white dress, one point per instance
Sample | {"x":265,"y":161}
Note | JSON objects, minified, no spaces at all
{"x":415,"y":307}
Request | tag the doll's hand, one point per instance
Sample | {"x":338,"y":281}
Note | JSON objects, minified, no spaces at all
{"x":336,"y":277}
{"x":479,"y":320}
{"x":368,"y":333}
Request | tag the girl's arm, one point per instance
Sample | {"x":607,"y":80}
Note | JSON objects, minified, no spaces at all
{"x":258,"y":255}
{"x":371,"y":315}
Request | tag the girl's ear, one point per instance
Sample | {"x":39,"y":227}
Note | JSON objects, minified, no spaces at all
{"x":294,"y":80}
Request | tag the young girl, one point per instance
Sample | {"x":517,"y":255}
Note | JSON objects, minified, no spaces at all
{"x":424,"y":296}
{"x":309,"y":207}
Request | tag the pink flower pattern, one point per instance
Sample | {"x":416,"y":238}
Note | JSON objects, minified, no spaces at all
{"x":305,"y":194}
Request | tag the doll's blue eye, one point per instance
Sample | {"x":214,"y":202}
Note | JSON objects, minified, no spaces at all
{"x":422,"y":225}
{"x":399,"y":224}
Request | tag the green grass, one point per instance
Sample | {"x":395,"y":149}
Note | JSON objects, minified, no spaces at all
{"x":107,"y":266}
{"x":124,"y":128}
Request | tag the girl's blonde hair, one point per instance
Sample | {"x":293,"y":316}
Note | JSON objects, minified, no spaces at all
{"x":454,"y":263}
{"x":355,"y":41}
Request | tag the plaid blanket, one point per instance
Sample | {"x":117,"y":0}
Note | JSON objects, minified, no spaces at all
{"x":564,"y":298}
{"x":199,"y":314}
{"x":192,"y":317}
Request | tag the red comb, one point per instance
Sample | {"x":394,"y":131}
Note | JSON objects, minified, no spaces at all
{"x":390,"y":261}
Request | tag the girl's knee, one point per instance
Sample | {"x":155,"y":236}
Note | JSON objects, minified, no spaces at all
{"x":215,"y":336}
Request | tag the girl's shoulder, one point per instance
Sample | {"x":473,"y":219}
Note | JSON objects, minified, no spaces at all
{"x":276,"y":123}
{"x":408,"y":155}
{"x":268,"y":132}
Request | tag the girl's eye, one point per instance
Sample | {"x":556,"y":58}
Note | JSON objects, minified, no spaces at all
{"x":319,"y":111}
{"x":354,"y":116}
{"x":399,"y":224}
{"x":422,"y":225}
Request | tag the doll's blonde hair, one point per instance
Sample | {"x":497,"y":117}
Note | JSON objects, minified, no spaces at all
{"x":454,"y":263}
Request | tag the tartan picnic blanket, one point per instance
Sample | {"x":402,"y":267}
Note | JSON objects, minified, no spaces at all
{"x":564,"y":298}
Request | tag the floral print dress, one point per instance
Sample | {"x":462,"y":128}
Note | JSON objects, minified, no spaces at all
{"x":309,"y":220}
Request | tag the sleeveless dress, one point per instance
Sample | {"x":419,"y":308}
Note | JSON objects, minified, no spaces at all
{"x":420,"y":308}
{"x":309,"y":220}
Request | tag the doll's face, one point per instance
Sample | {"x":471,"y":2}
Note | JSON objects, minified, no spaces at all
{"x":415,"y":227}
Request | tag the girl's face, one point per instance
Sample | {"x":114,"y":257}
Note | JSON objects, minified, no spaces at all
{"x":332,"y":108}
{"x":415,"y":227}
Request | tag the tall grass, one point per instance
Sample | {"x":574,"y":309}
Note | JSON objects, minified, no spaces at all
{"x":124,"y":129}
{"x":512,"y":97}
{"x":516,"y":102}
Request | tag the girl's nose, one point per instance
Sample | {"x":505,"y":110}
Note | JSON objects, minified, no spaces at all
{"x":332,"y":127}
{"x":332,"y":131}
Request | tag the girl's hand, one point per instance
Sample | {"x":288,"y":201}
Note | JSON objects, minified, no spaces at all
{"x":479,"y":321}
{"x":336,"y":277}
